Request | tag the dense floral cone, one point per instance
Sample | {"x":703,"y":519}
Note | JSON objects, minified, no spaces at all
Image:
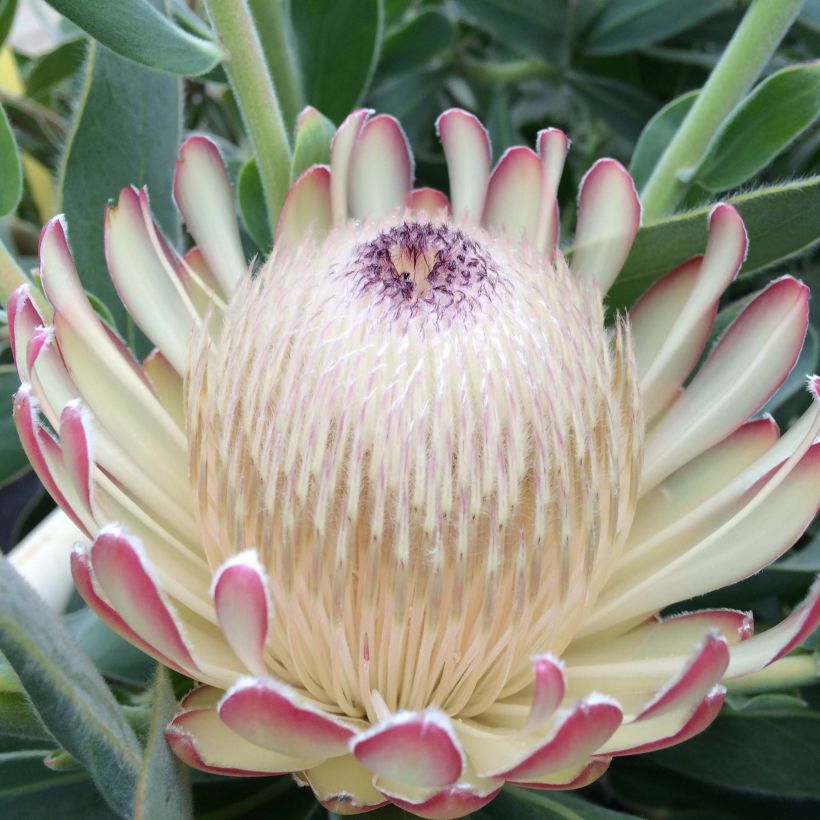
{"x":399,"y":499}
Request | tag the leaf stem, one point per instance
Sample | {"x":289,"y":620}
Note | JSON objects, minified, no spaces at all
{"x":256,"y":97}
{"x":752,"y":45}
{"x":509,"y":71}
{"x":278,"y":46}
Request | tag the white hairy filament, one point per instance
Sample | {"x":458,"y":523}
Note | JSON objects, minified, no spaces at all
{"x":437,"y":479}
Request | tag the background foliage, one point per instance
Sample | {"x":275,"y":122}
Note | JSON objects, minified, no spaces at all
{"x":106,"y":99}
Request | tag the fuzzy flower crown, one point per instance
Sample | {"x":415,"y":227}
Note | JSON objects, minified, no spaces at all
{"x":400,"y":502}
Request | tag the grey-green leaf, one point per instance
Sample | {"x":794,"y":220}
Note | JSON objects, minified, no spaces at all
{"x":56,"y":66}
{"x":314,"y":131}
{"x":164,"y":785}
{"x":138,"y":30}
{"x":29,"y":790}
{"x":781,"y":108}
{"x":126,"y":131}
{"x":115,"y":658}
{"x":339,"y":43}
{"x":7,"y":10}
{"x":535,"y":27}
{"x":416,"y":41}
{"x":13,"y":460}
{"x":624,"y":25}
{"x":781,"y":221}
{"x":252,"y":205}
{"x":525,"y":804}
{"x":656,"y":135}
{"x":11,"y":175}
{"x":67,"y":692}
{"x":739,"y":749}
{"x":18,"y":721}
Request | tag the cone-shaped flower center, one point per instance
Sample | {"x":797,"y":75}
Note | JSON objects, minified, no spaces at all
{"x":427,"y":270}
{"x":432,"y":442}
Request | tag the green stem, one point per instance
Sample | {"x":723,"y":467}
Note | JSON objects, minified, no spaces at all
{"x":256,"y":97}
{"x":787,"y":673}
{"x":277,"y":43}
{"x":510,"y":71}
{"x":758,"y":35}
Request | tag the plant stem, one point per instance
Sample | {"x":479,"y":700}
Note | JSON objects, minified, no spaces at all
{"x":787,"y":673}
{"x":277,"y":39}
{"x":758,"y":35}
{"x":256,"y":97}
{"x":510,"y":71}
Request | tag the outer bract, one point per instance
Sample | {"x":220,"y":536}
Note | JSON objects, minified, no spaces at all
{"x":399,"y":499}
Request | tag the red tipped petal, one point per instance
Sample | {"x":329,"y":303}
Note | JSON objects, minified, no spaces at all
{"x":457,"y":801}
{"x":34,"y":440}
{"x":243,"y":607}
{"x":735,"y":624}
{"x":273,"y":716}
{"x":766,"y":647}
{"x":203,"y":193}
{"x":513,"y":198}
{"x":583,"y":729}
{"x":552,"y":146}
{"x":703,"y":670}
{"x":665,"y":344}
{"x":702,"y":717}
{"x":609,"y":215}
{"x":341,"y":154}
{"x":588,"y":773}
{"x":467,"y":149}
{"x":550,"y":685}
{"x":416,"y":748}
{"x":202,"y":740}
{"x":749,"y":363}
{"x":83,"y":576}
{"x":121,"y":571}
{"x":75,"y":438}
{"x":23,"y":318}
{"x":342,"y":785}
{"x":202,"y":697}
{"x":145,"y":277}
{"x":652,"y":316}
{"x":429,"y":200}
{"x":40,"y":337}
{"x":381,"y":169}
{"x":307,"y":210}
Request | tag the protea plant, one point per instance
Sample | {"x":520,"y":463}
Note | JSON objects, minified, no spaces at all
{"x":401,"y":499}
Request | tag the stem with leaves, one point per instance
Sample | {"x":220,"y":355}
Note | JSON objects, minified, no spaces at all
{"x":761,"y":30}
{"x":504,"y":73}
{"x":273,"y":23}
{"x":256,"y":96}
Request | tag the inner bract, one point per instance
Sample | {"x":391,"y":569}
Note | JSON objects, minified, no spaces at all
{"x":432,"y":442}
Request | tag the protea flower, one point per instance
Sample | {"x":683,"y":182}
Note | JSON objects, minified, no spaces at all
{"x":400,"y":500}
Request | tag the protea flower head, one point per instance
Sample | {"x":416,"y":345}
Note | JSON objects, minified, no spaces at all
{"x":400,"y":500}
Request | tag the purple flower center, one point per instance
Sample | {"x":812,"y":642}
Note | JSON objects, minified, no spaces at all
{"x":426,"y":268}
